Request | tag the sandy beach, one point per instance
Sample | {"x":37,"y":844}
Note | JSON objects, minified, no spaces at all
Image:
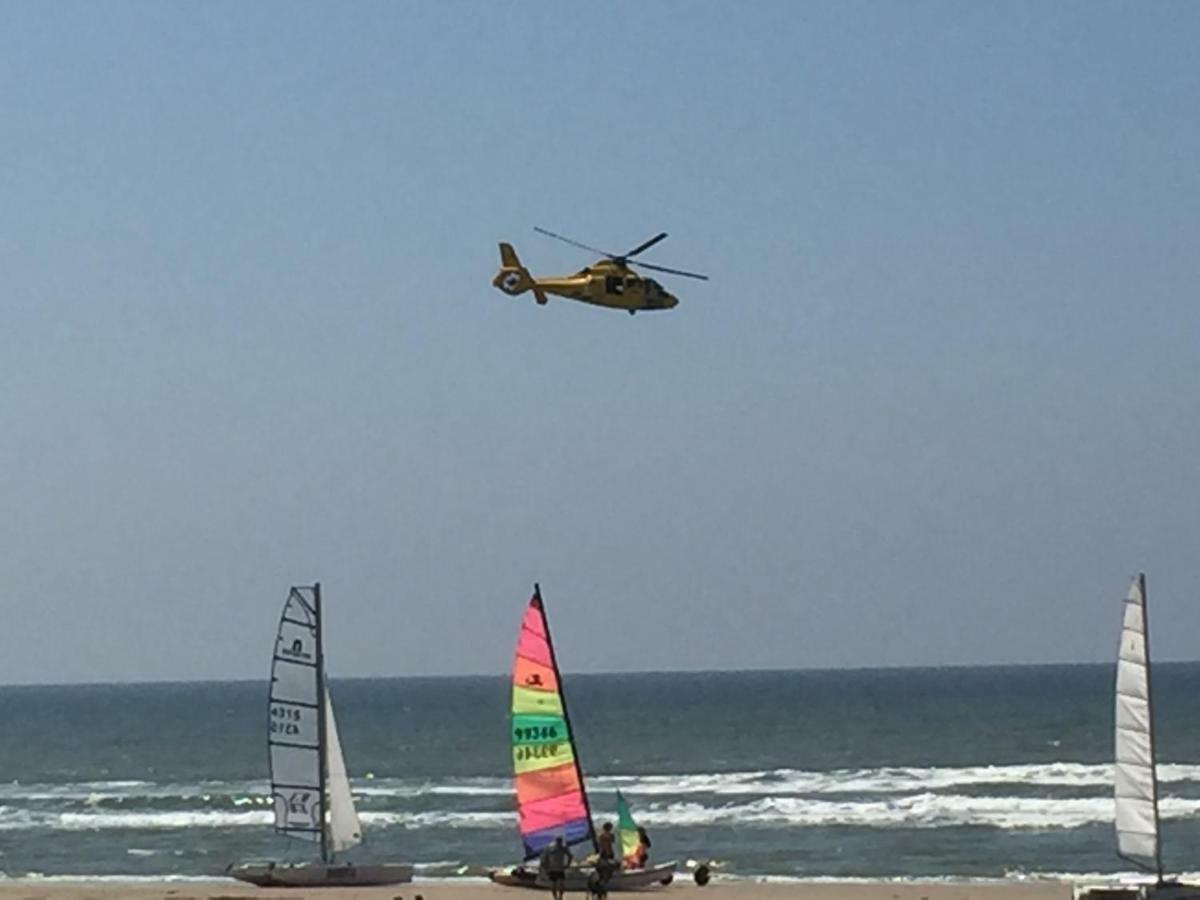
{"x":231,"y":890}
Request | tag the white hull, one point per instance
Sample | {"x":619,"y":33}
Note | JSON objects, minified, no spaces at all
{"x":577,"y":877}
{"x":315,"y":874}
{"x":1167,"y":890}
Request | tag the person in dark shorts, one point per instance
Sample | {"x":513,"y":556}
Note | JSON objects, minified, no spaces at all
{"x":598,"y":880}
{"x":555,"y":859}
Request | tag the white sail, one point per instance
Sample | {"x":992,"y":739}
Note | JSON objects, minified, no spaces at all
{"x":344,"y":828}
{"x":294,"y":736}
{"x":1136,"y":787}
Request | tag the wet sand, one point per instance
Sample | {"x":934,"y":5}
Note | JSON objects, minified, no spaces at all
{"x":681,"y":890}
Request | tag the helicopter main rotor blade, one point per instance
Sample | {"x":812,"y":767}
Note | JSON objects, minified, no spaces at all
{"x":573,"y":243}
{"x":643,"y":265}
{"x":645,"y":246}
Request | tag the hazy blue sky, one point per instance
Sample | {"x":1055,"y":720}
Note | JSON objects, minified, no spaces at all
{"x":938,"y":403}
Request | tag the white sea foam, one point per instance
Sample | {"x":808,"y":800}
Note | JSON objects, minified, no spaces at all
{"x":71,"y":821}
{"x":925,"y":810}
{"x":1022,"y":796}
{"x":774,"y":783}
{"x":886,"y":780}
{"x":124,"y":790}
{"x":437,"y":864}
{"x":21,"y":820}
{"x":921,"y":810}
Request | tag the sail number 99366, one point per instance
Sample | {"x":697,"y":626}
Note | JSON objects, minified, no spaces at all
{"x":536,"y":733}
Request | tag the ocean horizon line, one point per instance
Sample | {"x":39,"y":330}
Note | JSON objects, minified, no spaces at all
{"x":626,"y":673}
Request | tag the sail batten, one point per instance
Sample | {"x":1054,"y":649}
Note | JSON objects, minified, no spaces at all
{"x":1135,"y":781}
{"x":551,"y":799}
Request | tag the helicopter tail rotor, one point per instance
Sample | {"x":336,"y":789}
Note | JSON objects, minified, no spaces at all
{"x":513,"y":278}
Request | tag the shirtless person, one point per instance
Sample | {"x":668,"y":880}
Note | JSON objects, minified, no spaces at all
{"x":605,"y":842}
{"x":555,"y":859}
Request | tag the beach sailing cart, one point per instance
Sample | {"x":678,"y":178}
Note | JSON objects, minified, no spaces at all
{"x":552,"y":799}
{"x":309,"y":786}
{"x":1135,"y":786}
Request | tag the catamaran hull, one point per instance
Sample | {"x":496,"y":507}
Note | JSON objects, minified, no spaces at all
{"x":1167,"y":890}
{"x":577,"y":878}
{"x":319,"y":875}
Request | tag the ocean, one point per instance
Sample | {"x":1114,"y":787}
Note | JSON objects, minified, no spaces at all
{"x":899,"y":773}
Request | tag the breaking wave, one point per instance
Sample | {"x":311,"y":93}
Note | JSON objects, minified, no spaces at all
{"x":1057,"y":795}
{"x":925,"y":810}
{"x":775,"y":782}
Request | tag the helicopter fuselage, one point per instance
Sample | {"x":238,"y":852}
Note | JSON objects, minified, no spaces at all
{"x":606,"y":284}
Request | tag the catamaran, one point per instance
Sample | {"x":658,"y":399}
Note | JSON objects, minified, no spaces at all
{"x":552,"y":800}
{"x":1135,"y":773}
{"x":309,"y":785}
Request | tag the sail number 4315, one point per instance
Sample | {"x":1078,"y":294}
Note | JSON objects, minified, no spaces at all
{"x":285,"y":720}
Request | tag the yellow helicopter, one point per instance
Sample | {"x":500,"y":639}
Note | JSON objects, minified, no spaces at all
{"x":607,"y":282}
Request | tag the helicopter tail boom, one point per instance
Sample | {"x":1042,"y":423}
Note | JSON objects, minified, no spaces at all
{"x":513,"y":278}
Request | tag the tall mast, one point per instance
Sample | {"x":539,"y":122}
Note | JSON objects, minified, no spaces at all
{"x":322,"y":763}
{"x":537,"y":596}
{"x":1150,"y":722}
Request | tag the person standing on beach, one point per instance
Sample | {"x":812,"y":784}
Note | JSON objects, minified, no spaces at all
{"x":554,"y":861}
{"x":605,"y":842}
{"x":598,"y":880}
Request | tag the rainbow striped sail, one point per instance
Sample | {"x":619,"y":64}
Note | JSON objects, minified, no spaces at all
{"x":551,"y":800}
{"x":627,"y":829}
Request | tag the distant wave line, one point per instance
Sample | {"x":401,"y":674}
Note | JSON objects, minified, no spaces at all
{"x":922,"y":810}
{"x":773,"y":782}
